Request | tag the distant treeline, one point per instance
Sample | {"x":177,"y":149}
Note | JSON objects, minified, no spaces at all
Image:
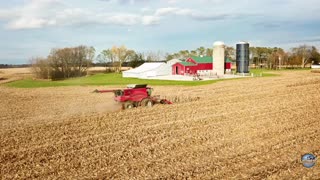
{"x":3,"y":66}
{"x":72,"y":62}
{"x":98,"y":64}
{"x":263,"y":57}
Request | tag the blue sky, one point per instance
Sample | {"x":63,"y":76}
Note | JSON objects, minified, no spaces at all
{"x":30,"y":28}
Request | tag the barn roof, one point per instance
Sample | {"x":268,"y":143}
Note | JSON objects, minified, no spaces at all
{"x":228,"y":60}
{"x":187,"y":63}
{"x":145,"y":67}
{"x":206,"y":59}
{"x":200,"y":60}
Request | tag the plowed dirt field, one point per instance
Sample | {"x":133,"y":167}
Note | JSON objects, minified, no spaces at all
{"x":253,"y":128}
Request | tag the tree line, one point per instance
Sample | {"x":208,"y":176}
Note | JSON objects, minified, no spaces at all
{"x":74,"y":61}
{"x":274,"y":58}
{"x":263,"y":57}
{"x":182,"y":54}
{"x":115,"y":57}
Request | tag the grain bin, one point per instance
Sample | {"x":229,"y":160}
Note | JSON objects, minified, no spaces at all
{"x":242,"y":59}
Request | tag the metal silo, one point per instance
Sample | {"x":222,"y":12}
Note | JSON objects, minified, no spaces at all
{"x":242,"y":57}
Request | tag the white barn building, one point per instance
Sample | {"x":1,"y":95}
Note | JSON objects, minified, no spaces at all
{"x":151,"y":69}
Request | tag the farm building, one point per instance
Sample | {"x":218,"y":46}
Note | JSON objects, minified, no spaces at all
{"x":151,"y":69}
{"x":194,"y":65}
{"x":315,"y":66}
{"x":217,"y":65}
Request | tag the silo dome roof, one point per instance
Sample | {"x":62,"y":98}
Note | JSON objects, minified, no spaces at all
{"x":242,"y":42}
{"x":218,"y":43}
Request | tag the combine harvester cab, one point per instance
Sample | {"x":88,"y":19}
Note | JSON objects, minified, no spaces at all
{"x":135,"y":95}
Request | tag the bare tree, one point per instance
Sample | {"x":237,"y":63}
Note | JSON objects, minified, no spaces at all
{"x":304,"y":52}
{"x":40,"y":67}
{"x":66,"y":62}
{"x":154,"y":56}
{"x":121,"y":54}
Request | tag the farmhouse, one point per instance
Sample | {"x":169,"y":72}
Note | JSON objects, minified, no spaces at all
{"x":197,"y":65}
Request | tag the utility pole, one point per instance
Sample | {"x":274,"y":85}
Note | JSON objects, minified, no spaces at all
{"x":279,"y":62}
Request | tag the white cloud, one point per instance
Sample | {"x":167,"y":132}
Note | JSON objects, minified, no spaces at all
{"x":166,"y":11}
{"x":126,"y":1}
{"x":173,"y":1}
{"x":146,"y":10}
{"x":122,"y":19}
{"x":190,"y":13}
{"x":7,"y":14}
{"x":150,"y":20}
{"x":35,"y":14}
{"x":44,"y":13}
{"x":30,"y":23}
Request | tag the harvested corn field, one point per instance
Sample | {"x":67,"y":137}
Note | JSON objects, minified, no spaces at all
{"x":249,"y":128}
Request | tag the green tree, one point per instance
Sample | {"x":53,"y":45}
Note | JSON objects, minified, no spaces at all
{"x":168,"y":57}
{"x":230,"y":52}
{"x":261,"y":56}
{"x":193,"y":52}
{"x":209,"y":51}
{"x":201,"y":51}
{"x":315,"y":55}
{"x":137,"y":60}
{"x":184,"y":53}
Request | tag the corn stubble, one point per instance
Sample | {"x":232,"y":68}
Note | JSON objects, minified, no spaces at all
{"x":254,"y":128}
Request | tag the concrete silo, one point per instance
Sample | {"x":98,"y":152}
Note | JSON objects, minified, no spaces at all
{"x":242,"y":59}
{"x":218,"y":58}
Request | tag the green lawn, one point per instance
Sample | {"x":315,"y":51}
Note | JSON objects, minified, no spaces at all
{"x":112,"y":79}
{"x":101,"y":79}
{"x":263,"y":72}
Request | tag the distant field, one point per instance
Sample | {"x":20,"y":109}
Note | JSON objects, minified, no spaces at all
{"x":14,"y":74}
{"x":116,"y":79}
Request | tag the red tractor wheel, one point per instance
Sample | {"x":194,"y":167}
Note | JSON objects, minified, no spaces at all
{"x":127,"y":105}
{"x":146,"y":103}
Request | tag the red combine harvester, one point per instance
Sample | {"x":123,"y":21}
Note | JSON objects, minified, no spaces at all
{"x":135,"y":95}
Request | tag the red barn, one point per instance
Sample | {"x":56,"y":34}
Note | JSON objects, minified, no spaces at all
{"x":196,"y":65}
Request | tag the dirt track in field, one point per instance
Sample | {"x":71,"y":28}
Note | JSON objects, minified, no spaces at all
{"x":250,"y":128}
